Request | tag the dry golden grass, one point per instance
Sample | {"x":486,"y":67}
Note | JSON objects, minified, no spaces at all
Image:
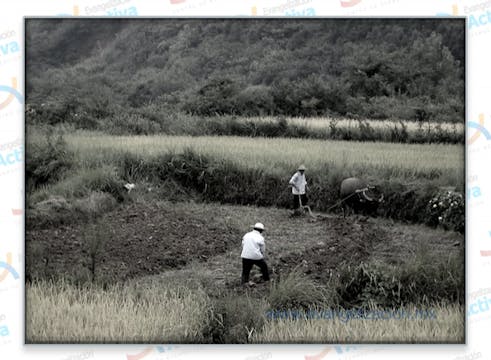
{"x":280,"y":155}
{"x":62,"y":313}
{"x":340,"y":123}
{"x":446,"y":327}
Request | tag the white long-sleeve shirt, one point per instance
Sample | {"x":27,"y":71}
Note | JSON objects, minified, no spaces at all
{"x":298,"y":183}
{"x":253,"y":246}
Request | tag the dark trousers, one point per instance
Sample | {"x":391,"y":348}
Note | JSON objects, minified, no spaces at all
{"x":247,"y":266}
{"x":296,"y":200}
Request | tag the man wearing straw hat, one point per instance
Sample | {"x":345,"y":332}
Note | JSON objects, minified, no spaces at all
{"x":299,"y":185}
{"x":253,"y":248}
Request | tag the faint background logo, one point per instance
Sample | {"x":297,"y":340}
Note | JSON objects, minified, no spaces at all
{"x":75,"y":12}
{"x":8,"y":268}
{"x":8,"y":46}
{"x":480,"y":130}
{"x":487,"y":252}
{"x":4,"y":329}
{"x":289,"y":8}
{"x":17,"y":212}
{"x":80,"y":356}
{"x":319,"y":356}
{"x":455,"y":11}
{"x":349,"y":3}
{"x":149,"y":350}
{"x":472,"y":356}
{"x":338,"y":348}
{"x":13,"y":94}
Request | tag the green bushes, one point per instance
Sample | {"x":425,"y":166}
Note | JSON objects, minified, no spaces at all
{"x":104,"y":179}
{"x":405,"y":202}
{"x":216,"y":97}
{"x":447,"y":209}
{"x":57,"y":210}
{"x":47,"y":160}
{"x":50,"y":113}
{"x":124,"y":123}
{"x":79,"y":197}
{"x":221,"y":181}
{"x":255,"y":100}
{"x":419,"y":281}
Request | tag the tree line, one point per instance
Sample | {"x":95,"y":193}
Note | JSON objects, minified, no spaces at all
{"x":409,"y":69}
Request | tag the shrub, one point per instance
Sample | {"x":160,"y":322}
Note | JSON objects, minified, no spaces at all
{"x":95,"y":204}
{"x":210,"y":177}
{"x":255,"y":100}
{"x":399,"y":134}
{"x":297,"y":291}
{"x":236,"y":319}
{"x":47,"y":161}
{"x":132,"y":167}
{"x":405,"y":202}
{"x":103,"y":179}
{"x":420,"y":281}
{"x":447,"y":209}
{"x":216,"y":97}
{"x":366,"y":131}
{"x":51,"y":113}
{"x":57,"y":210}
{"x":129,"y":123}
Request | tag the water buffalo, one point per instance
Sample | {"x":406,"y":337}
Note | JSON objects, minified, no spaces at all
{"x":359,"y":196}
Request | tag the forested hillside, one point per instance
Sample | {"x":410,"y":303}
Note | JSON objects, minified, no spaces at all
{"x":89,"y":72}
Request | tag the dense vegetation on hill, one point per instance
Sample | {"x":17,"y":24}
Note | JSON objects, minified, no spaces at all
{"x":118,"y":71}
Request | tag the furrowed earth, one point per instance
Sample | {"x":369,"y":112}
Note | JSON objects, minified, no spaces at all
{"x":191,"y":241}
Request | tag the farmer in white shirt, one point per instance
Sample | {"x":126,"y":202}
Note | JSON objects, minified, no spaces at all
{"x":253,"y":248}
{"x":298,"y":184}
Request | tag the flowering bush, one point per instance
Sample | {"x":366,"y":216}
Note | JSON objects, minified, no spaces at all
{"x":447,"y":209}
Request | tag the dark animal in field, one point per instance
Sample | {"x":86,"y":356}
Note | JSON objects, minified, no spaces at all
{"x":359,"y":197}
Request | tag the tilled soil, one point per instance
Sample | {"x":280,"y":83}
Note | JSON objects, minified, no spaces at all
{"x":346,"y":241}
{"x":142,"y":239}
{"x":136,"y":240}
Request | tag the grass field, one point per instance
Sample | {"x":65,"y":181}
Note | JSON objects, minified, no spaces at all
{"x":120,"y":313}
{"x":447,"y":325}
{"x":443,"y":162}
{"x":162,"y":315}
